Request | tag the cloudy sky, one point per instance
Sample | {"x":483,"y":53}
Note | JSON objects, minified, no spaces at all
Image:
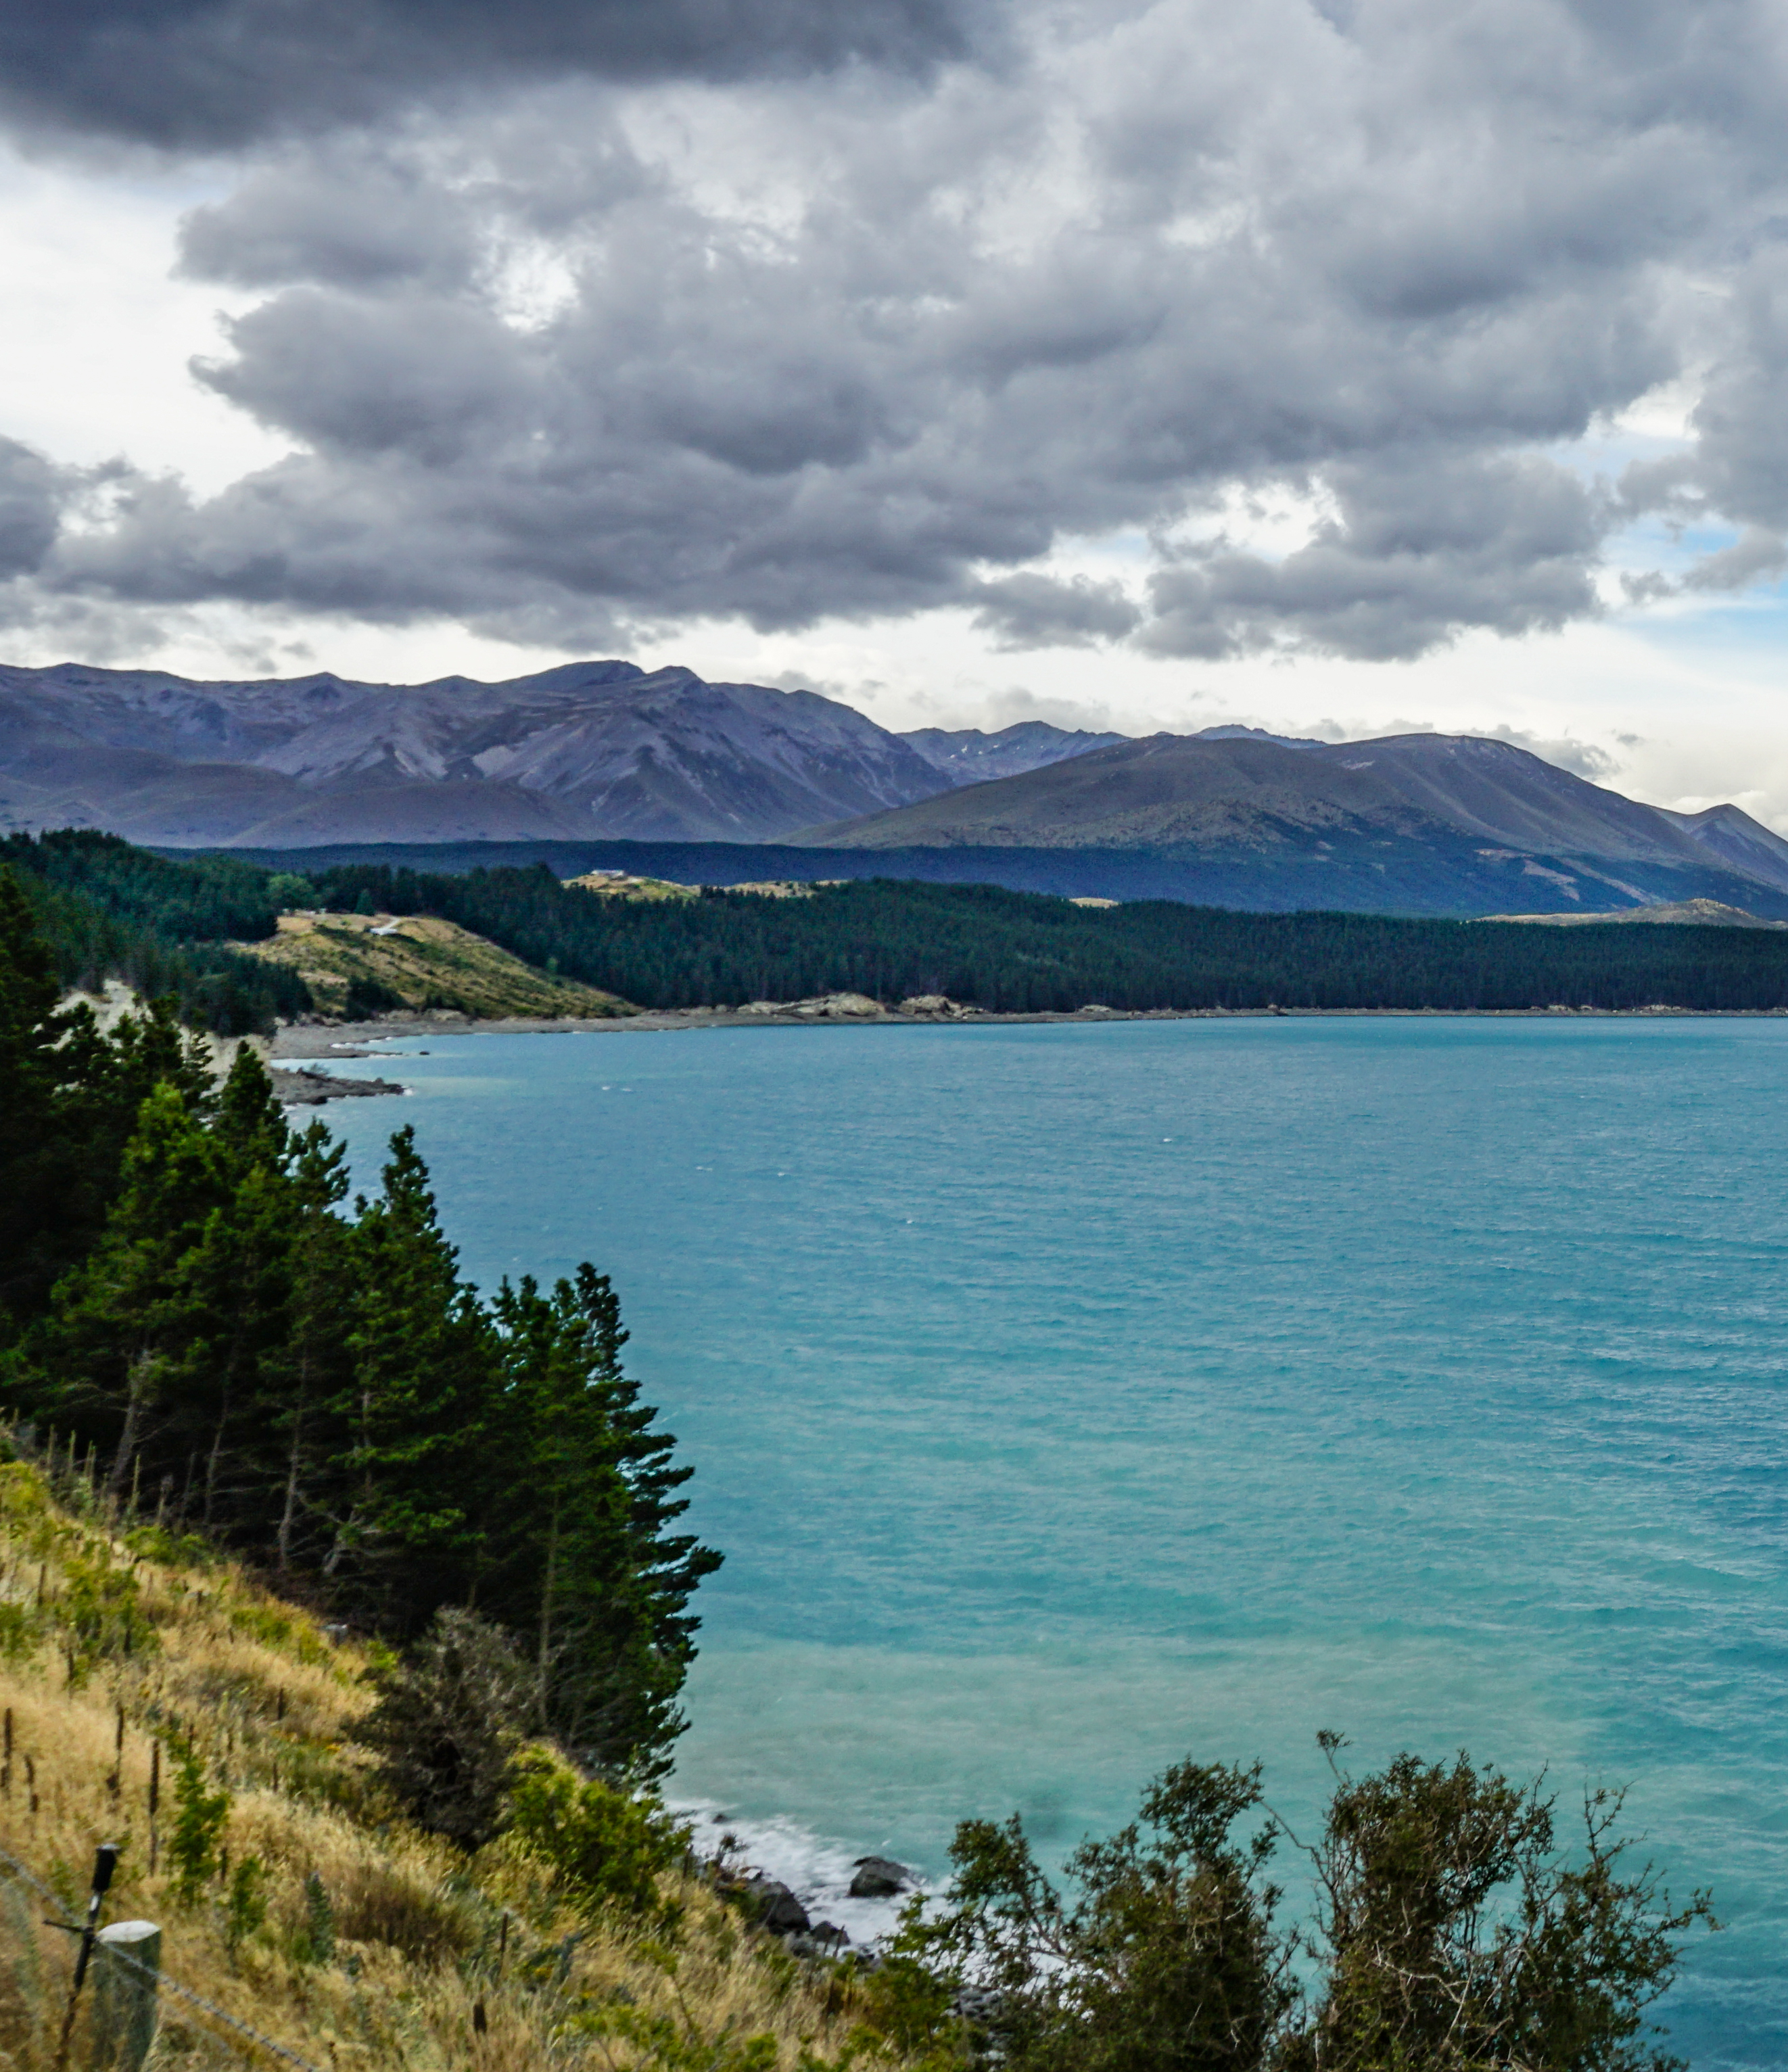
{"x":1338,"y":364}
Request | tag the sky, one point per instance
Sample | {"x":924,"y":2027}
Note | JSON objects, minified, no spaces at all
{"x":1340,"y":366}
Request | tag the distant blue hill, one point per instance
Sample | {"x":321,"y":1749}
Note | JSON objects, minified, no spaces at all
{"x":1453,"y":877}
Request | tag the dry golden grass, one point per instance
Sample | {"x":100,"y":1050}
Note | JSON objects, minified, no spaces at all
{"x":623,"y":884}
{"x":426,"y":962}
{"x":439,"y":1960}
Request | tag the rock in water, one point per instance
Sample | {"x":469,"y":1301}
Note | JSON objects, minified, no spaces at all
{"x":782,"y":1913}
{"x":879,"y":1877}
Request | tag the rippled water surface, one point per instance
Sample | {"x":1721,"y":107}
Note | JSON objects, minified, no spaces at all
{"x":1068,"y":1398}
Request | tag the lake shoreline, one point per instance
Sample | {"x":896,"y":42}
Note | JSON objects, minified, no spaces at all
{"x":322,"y":1040}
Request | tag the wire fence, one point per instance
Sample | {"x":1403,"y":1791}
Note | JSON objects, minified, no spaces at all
{"x":37,"y":1976}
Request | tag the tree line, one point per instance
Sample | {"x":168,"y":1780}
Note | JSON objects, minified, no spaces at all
{"x":1024,"y":952}
{"x":190,"y":1306}
{"x":165,"y":926}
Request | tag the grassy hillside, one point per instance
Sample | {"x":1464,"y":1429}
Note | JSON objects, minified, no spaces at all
{"x":359,"y":1941}
{"x":624,"y":885}
{"x":358,"y":961}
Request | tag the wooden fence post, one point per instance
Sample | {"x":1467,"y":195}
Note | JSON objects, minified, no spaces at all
{"x":124,"y":1994}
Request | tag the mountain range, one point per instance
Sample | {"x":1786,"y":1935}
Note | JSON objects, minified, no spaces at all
{"x":602,"y":752}
{"x":1413,"y":814}
{"x":596,"y":748}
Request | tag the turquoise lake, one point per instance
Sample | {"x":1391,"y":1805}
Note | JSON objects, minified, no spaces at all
{"x":1067,"y":1399}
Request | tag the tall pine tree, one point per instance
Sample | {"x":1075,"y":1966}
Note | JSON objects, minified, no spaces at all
{"x":36,"y":1150}
{"x":307,"y":1379}
{"x":238,"y":1282}
{"x":586,"y":1566}
{"x":418,"y":1409}
{"x":124,"y":1321}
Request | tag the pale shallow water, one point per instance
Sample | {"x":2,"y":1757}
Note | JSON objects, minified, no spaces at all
{"x":1069,"y":1398}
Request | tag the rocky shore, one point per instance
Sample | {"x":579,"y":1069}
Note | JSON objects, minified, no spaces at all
{"x":780,"y":1911}
{"x":312,"y":1089}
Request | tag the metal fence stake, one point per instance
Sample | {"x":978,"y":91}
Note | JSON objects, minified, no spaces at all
{"x":105,"y":1861}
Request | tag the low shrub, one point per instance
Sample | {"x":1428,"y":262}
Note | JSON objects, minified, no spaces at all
{"x":101,"y":1610}
{"x":367,"y":999}
{"x":316,"y":1943}
{"x":195,"y":1849}
{"x":606,"y":1849}
{"x":244,"y":1904}
{"x":21,"y":1629}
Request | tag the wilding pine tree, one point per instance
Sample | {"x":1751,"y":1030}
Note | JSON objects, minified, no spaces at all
{"x":1455,"y":1929}
{"x":585,"y":1542}
{"x":420,"y":1407}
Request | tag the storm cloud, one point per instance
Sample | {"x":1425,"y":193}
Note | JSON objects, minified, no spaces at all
{"x":795,"y":315}
{"x":201,"y":75}
{"x":1413,"y":554}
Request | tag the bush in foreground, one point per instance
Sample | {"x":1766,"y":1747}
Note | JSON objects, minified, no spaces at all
{"x":1452,"y":1933}
{"x":608,"y":1848}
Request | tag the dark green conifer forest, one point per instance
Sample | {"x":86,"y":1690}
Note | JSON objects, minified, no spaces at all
{"x":166,"y":925}
{"x":1028,"y":952}
{"x":195,"y":1314}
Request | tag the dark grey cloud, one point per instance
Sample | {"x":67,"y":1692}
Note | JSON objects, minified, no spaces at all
{"x":351,"y":218}
{"x":427,"y":378}
{"x":215,"y":75}
{"x":33,"y":497}
{"x":1027,"y":611}
{"x":601,"y":356}
{"x":1737,"y":468}
{"x":1416,"y":555}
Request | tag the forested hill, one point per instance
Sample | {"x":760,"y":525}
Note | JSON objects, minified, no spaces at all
{"x":106,"y":909}
{"x":1026,"y":953}
{"x":186,"y":928}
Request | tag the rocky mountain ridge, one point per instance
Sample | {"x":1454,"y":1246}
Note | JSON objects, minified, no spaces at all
{"x":966,"y":755}
{"x":601,"y":748}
